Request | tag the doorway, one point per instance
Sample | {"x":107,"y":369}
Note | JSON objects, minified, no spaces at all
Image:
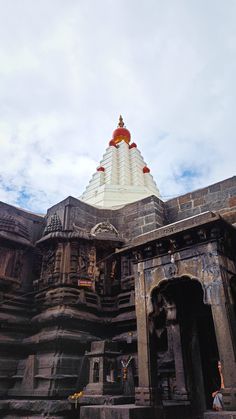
{"x":184,"y":341}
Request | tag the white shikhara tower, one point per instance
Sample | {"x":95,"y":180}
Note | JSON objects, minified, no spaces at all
{"x":122,"y":176}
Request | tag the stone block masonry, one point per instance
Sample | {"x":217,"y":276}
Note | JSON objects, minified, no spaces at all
{"x":218,"y":197}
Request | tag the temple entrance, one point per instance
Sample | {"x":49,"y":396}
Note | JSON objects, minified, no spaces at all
{"x":183,"y":343}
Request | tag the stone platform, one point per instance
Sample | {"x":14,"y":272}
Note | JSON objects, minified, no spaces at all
{"x":129,"y":411}
{"x":105,"y":400}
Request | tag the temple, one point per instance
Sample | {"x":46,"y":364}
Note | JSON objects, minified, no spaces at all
{"x":117,"y":304}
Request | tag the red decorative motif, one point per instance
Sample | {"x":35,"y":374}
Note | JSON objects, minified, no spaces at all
{"x":101,"y":169}
{"x":112,"y":143}
{"x":133,"y":145}
{"x":146,"y":169}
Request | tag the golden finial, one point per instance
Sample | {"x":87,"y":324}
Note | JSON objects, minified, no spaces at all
{"x":121,"y":122}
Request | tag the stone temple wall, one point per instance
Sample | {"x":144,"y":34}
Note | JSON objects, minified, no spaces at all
{"x":150,"y":213}
{"x":131,"y":220}
{"x":218,"y":197}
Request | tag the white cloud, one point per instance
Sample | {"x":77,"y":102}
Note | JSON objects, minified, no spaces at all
{"x":68,"y":69}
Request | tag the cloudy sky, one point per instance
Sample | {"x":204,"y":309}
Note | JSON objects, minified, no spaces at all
{"x":69,"y":68}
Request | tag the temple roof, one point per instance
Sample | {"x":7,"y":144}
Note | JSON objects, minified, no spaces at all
{"x":122,"y":175}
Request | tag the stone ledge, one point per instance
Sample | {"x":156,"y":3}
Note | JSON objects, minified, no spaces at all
{"x":220,"y":415}
{"x":35,"y":406}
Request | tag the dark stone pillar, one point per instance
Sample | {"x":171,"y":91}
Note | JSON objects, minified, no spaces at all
{"x":225,"y":345}
{"x":180,"y":392}
{"x":174,"y":331}
{"x":145,"y":393}
{"x":198,"y":401}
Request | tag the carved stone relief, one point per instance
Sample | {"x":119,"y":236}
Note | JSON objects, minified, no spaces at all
{"x":210,"y":264}
{"x":212,"y":292}
{"x":48,"y":264}
{"x":7,"y":261}
{"x":18,"y":263}
{"x":104,"y":227}
{"x":91,"y":262}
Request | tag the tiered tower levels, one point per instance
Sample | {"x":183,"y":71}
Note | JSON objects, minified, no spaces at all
{"x":122,"y":176}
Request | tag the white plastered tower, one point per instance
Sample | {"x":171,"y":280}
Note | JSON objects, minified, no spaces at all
{"x":122,"y":176}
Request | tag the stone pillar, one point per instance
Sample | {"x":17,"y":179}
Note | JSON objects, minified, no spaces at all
{"x":58,"y":258}
{"x":145,"y":394}
{"x":66,"y":263}
{"x":180,"y":392}
{"x":174,"y":331}
{"x":28,"y":381}
{"x":224,"y":341}
{"x":199,"y":401}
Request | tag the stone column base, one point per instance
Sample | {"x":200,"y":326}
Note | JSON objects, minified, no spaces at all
{"x":102,"y":388}
{"x":229,"y":397}
{"x":146,"y":396}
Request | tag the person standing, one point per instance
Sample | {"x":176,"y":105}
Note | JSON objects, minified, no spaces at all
{"x":218,"y":403}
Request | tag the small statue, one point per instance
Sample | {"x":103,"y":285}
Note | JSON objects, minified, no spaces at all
{"x":127,"y":376}
{"x":91,"y":262}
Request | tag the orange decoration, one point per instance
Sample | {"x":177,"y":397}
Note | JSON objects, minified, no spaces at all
{"x":121,"y":133}
{"x":133,"y":145}
{"x":112,"y":143}
{"x":146,"y":169}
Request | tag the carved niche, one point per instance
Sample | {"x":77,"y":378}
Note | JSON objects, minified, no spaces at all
{"x":48,"y":265}
{"x":87,"y":270}
{"x":19,"y":261}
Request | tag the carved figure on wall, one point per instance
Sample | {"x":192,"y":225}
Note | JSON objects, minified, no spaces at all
{"x":113,"y":269}
{"x":91,"y":262}
{"x":137,"y":255}
{"x":82,"y":261}
{"x":210,"y":264}
{"x":48,"y":263}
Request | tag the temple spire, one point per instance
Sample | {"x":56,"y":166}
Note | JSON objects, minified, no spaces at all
{"x":122,"y":175}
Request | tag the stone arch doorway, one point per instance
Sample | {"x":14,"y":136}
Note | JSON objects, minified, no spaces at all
{"x":183,"y":343}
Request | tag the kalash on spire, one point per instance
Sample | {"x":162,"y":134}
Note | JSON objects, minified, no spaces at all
{"x":122,"y":175}
{"x":120,"y":134}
